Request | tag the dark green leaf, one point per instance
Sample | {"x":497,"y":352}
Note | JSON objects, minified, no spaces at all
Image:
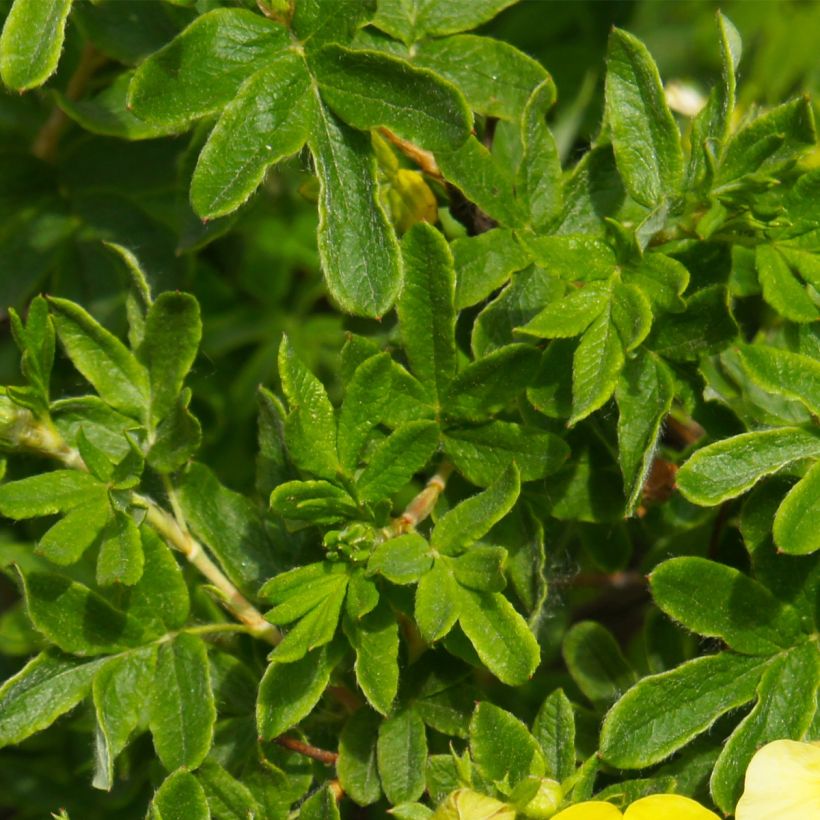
{"x":402,"y":754}
{"x":795,"y":525}
{"x":228,"y":798}
{"x":436,"y":606}
{"x":411,"y":21}
{"x":73,"y":534}
{"x":781,"y":289}
{"x":321,"y":805}
{"x":180,"y":797}
{"x":554,"y":729}
{"x":481,"y":568}
{"x":120,"y":560}
{"x":318,"y":501}
{"x":356,"y":766}
{"x":571,"y":315}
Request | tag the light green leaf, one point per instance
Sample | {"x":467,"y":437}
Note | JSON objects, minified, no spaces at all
{"x":368,"y":89}
{"x":120,"y":691}
{"x":596,"y":367}
{"x":120,"y":560}
{"x":180,"y":797}
{"x":310,"y":427}
{"x":36,"y":343}
{"x":644,"y":133}
{"x":596,"y":663}
{"x":289,"y":691}
{"x":104,"y":360}
{"x":571,"y":315}
{"x":178,"y":437}
{"x":267,"y":121}
{"x":357,"y":245}
{"x":499,"y":634}
{"x":230,"y":525}
{"x":318,"y":501}
{"x":402,"y":754}
{"x":201,"y":70}
{"x":357,"y":767}
{"x":495,"y":77}
{"x":795,"y":524}
{"x":182,"y":713}
{"x":173,"y":329}
{"x":436,"y":605}
{"x":631,"y":314}
{"x":76,"y":619}
{"x":718,"y":601}
{"x":784,"y":709}
{"x":501,"y":746}
{"x":396,"y":460}
{"x":554,"y":729}
{"x":482,"y":453}
{"x":426,"y":309}
{"x":781,"y":289}
{"x":644,"y":395}
{"x":662,"y":713}
{"x":539,"y":175}
{"x":366,"y":395}
{"x":475,"y":516}
{"x":228,"y":798}
{"x":300,"y":589}
{"x":316,"y":22}
{"x":729,"y":467}
{"x":375,"y":639}
{"x":402,"y":560}
{"x":661,"y":278}
{"x":410,"y":21}
{"x":31,"y":42}
{"x":484,"y":263}
{"x":45,"y":688}
{"x":481,"y":568}
{"x":72,"y":535}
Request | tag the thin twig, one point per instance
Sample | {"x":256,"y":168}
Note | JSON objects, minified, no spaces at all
{"x":48,"y":137}
{"x":422,"y":505}
{"x":302,"y":748}
{"x":424,"y":159}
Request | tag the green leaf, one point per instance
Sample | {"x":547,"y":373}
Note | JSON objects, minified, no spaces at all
{"x":45,"y":688}
{"x":119,"y":691}
{"x":770,"y":141}
{"x":368,"y":89}
{"x":661,"y":278}
{"x":76,"y":619}
{"x":310,"y":428}
{"x":729,"y":467}
{"x":631,"y":314}
{"x":411,"y":21}
{"x":538,"y":180}
{"x":720,"y":602}
{"x":318,"y":501}
{"x":289,"y":691}
{"x":356,"y":766}
{"x":201,"y":70}
{"x":706,"y":326}
{"x":178,"y":437}
{"x":230,"y":525}
{"x":272,"y":464}
{"x":72,"y":535}
{"x":180,"y":797}
{"x":644,"y":133}
{"x":120,"y":560}
{"x":495,"y":77}
{"x":499,"y":634}
{"x":489,"y":384}
{"x":357,"y":245}
{"x":173,"y":329}
{"x":571,"y":315}
{"x":596,"y":367}
{"x":182,"y":713}
{"x":481,"y":568}
{"x":31,"y":42}
{"x":321,"y":805}
{"x":401,"y":752}
{"x":267,"y":121}
{"x":401,"y":560}
{"x":475,"y":516}
{"x":436,"y":605}
{"x":426,"y":308}
{"x":662,"y":713}
{"x":228,"y":798}
{"x":781,"y":289}
{"x":484,"y":263}
{"x":482,"y":453}
{"x":375,"y":639}
{"x":396,"y":460}
{"x":104,"y":360}
{"x":501,"y":746}
{"x":554,"y":729}
{"x":484,"y":180}
{"x":795,"y":524}
{"x":36,"y":343}
{"x":366,"y":396}
{"x":644,"y":395}
{"x":784,"y":709}
{"x":302,"y":588}
{"x":596,"y":663}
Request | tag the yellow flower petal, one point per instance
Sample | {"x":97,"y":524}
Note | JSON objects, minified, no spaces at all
{"x":668,"y":807}
{"x":782,"y":783}
{"x":591,"y":810}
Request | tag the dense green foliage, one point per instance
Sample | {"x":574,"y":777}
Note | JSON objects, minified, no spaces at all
{"x":531,"y":389}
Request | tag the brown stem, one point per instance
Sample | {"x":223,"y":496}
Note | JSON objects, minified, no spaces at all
{"x":424,"y":159}
{"x":422,"y":505}
{"x":48,"y":137}
{"x":302,"y":748}
{"x":624,"y":579}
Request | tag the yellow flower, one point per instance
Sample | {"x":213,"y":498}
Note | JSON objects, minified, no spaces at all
{"x":782,"y":783}
{"x":654,"y":807}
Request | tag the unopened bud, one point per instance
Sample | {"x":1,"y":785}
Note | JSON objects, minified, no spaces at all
{"x":546,"y":801}
{"x":465,"y":804}
{"x":15,"y":421}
